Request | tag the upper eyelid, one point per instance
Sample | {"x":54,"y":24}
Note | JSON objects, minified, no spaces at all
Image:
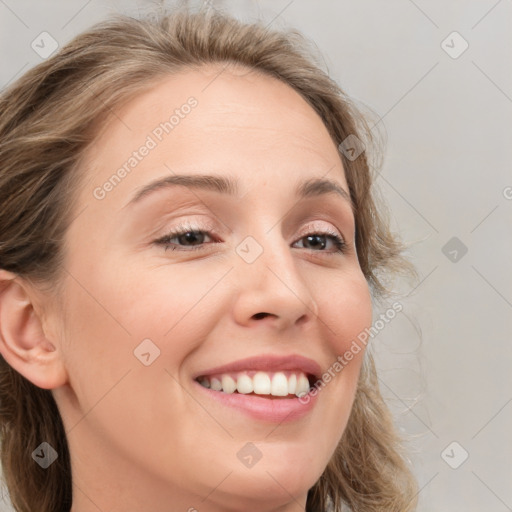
{"x":210,"y":226}
{"x":211,"y":231}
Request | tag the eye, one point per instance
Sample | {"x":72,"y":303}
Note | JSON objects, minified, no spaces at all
{"x":187,"y":237}
{"x":319,"y":240}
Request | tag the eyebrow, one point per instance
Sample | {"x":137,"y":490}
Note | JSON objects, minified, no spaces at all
{"x":312,"y":187}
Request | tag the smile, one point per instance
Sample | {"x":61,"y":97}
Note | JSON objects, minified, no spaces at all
{"x":279,"y":384}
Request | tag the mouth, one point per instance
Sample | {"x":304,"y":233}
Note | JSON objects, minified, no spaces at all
{"x":278,"y":384}
{"x":269,"y":388}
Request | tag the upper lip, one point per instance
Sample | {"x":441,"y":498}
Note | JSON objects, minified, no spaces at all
{"x":268,"y":362}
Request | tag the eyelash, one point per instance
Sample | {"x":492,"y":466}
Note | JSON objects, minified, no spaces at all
{"x":182,"y":229}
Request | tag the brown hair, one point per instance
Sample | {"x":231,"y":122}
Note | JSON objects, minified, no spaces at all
{"x":51,"y":114}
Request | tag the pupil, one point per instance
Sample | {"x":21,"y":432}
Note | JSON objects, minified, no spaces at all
{"x":190,"y":236}
{"x":315,"y":239}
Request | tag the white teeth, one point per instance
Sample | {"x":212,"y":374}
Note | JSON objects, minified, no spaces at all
{"x":215,"y":384}
{"x":279,"y":385}
{"x":292,"y":384}
{"x":228,"y":384}
{"x":244,"y":384}
{"x":262,"y":383}
{"x":302,"y":385}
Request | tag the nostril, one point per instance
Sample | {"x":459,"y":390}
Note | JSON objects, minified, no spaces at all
{"x":257,"y":316}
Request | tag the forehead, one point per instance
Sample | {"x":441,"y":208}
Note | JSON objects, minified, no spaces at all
{"x":243,"y":123}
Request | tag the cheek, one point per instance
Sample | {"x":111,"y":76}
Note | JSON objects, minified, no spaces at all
{"x":113,"y":308}
{"x":123,"y":315}
{"x":126,"y":314}
{"x":345,"y":311}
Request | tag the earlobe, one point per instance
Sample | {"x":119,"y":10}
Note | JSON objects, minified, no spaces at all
{"x":23,"y":342}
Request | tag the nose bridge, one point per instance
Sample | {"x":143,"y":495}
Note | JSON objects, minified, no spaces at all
{"x":269,"y":280}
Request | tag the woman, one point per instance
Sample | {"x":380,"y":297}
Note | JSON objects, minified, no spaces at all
{"x":189,"y":250}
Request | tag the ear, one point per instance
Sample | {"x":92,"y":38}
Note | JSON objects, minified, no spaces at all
{"x":23,"y":343}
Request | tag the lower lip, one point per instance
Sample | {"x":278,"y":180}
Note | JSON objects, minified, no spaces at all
{"x":273,"y":410}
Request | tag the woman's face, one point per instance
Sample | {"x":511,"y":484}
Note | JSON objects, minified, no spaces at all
{"x":257,"y":293}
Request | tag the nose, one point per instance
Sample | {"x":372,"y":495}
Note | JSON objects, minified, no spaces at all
{"x":272,"y":289}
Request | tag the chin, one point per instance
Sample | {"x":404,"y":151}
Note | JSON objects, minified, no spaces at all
{"x":272,"y":490}
{"x":277,"y":479}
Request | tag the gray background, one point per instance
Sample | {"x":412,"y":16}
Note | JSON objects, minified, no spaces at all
{"x":445,"y":361}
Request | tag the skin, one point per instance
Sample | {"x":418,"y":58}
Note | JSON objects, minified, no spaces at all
{"x":143,"y":437}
